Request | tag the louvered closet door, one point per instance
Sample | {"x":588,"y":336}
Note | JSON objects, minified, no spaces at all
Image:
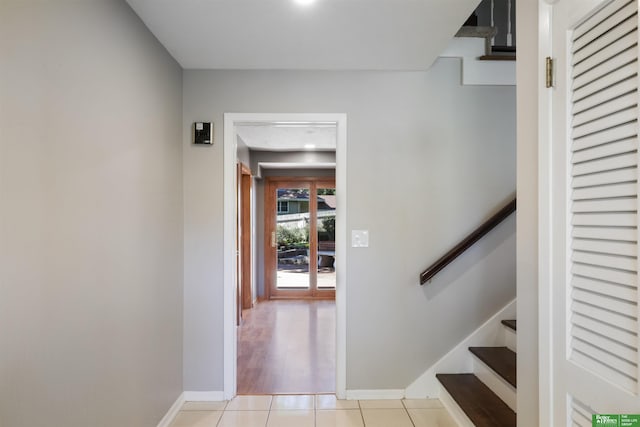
{"x":595,"y":140}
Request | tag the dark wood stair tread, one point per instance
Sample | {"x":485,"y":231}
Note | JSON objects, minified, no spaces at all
{"x":480,"y":404}
{"x":510,"y":323}
{"x":497,"y":58}
{"x":503,"y":49}
{"x":500,"y":359}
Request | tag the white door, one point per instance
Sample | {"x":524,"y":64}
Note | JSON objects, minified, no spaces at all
{"x":594,"y":210}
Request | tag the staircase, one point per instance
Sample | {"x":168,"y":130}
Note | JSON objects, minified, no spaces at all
{"x":477,"y":383}
{"x":486,"y":45}
{"x":487,"y":396}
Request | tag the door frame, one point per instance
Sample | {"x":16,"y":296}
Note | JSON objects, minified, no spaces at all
{"x":545,"y":213}
{"x":229,"y":239}
{"x":246,"y":243}
{"x":269,"y":226}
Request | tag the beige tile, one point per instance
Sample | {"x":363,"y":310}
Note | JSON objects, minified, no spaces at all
{"x":289,"y":402}
{"x":249,"y":403}
{"x":382,"y":404}
{"x":244,"y":419}
{"x":197,"y":419}
{"x":329,"y":401}
{"x":339,"y":418}
{"x":431,"y":418}
{"x":203,"y":406}
{"x":422,"y":403}
{"x":386,"y":418}
{"x":291,"y":418}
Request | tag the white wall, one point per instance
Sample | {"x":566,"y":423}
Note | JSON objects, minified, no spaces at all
{"x":428,"y":161}
{"x":243,"y":153}
{"x":90,"y":217}
{"x":528,"y":68}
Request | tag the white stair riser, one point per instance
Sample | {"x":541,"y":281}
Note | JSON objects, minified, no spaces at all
{"x":454,"y":410}
{"x":510,"y":339}
{"x":495,"y":382}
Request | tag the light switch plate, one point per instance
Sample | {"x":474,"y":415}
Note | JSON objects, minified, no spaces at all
{"x":359,"y":238}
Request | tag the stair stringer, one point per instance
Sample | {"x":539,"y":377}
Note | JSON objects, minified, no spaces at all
{"x":459,"y":360}
{"x":476,"y":71}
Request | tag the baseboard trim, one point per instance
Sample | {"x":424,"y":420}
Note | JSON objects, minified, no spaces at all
{"x":203,"y":396}
{"x":459,"y":360}
{"x":375,"y":394}
{"x":172,"y":412}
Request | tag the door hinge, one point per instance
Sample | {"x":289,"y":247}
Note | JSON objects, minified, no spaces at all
{"x":549,"y":72}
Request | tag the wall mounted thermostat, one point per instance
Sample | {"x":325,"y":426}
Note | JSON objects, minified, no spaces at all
{"x":203,"y":133}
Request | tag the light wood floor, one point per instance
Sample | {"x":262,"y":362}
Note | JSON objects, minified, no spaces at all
{"x":287,"y":347}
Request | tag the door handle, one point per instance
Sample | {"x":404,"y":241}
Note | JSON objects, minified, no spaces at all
{"x":273,"y":239}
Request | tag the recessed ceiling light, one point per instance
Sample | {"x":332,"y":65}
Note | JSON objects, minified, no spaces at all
{"x":309,"y":146}
{"x":304,"y":2}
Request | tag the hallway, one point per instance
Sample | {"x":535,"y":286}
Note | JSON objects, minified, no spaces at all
{"x":287,"y":346}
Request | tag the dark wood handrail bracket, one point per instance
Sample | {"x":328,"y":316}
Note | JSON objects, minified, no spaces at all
{"x":468,"y":241}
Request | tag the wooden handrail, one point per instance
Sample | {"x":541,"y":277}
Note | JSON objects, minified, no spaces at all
{"x":468,"y":241}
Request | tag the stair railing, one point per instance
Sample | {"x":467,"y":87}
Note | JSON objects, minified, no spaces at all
{"x":508,"y":34}
{"x":496,"y":14}
{"x":467,"y":242}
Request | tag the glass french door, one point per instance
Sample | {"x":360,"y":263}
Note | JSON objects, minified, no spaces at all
{"x":300,"y":237}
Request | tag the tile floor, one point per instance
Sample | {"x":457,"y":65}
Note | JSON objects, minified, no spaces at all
{"x":322,"y":410}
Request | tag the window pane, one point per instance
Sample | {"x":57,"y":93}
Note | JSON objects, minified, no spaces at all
{"x":326,"y":238}
{"x":292,"y":238}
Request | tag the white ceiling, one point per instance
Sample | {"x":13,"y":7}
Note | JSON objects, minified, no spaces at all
{"x":290,"y":136}
{"x":326,"y":35}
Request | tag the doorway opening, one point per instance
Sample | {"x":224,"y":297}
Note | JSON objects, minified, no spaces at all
{"x":308,"y":278}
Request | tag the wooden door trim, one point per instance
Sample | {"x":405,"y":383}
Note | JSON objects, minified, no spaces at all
{"x":271,"y":184}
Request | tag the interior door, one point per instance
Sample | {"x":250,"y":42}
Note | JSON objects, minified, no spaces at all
{"x":594,"y":210}
{"x":300,"y":238}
